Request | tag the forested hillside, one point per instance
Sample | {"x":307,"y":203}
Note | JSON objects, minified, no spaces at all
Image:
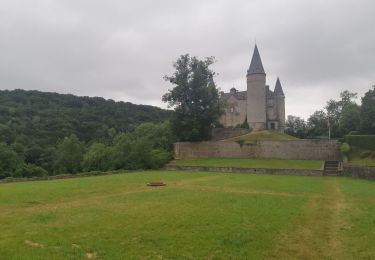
{"x":33,"y":124}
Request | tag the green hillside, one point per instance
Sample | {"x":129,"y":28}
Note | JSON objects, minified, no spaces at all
{"x":47,"y":117}
{"x":48,"y":133}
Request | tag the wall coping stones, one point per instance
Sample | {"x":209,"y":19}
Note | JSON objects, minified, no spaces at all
{"x":296,"y":172}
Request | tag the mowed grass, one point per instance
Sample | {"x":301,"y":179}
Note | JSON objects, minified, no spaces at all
{"x":253,"y":163}
{"x":197,"y":215}
{"x":262,"y":135}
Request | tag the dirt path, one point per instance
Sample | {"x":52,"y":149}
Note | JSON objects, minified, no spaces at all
{"x":317,"y":234}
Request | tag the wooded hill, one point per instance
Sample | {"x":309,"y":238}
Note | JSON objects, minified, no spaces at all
{"x":44,"y":117}
{"x":40,"y":131}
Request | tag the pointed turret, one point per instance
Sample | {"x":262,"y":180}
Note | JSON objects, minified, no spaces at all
{"x":256,"y":66}
{"x":278,"y":88}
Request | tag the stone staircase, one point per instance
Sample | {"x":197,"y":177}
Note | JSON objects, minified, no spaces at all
{"x":331,"y":168}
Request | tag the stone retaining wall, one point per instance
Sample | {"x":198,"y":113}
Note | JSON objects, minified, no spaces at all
{"x":359,"y":172}
{"x":288,"y":149}
{"x":245,"y":170}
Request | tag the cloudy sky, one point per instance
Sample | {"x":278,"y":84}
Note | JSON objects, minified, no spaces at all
{"x":121,"y":49}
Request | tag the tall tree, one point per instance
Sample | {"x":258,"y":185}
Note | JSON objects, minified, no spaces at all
{"x":70,"y":152}
{"x":350,"y":118}
{"x":296,"y":126}
{"x":368,"y":112}
{"x":195,"y":98}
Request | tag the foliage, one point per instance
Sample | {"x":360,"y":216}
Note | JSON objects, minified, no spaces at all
{"x":50,"y":132}
{"x":349,"y":118}
{"x":149,"y":146}
{"x":361,"y":141}
{"x":70,"y":155}
{"x":9,"y":161}
{"x":368,"y":112}
{"x":345,"y":149}
{"x":194,"y":97}
{"x":30,"y":170}
{"x":296,"y":126}
{"x":317,"y":124}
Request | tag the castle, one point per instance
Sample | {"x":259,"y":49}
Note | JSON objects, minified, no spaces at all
{"x":259,"y":106}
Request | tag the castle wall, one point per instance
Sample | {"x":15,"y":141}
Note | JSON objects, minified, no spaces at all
{"x":235,"y":112}
{"x":256,"y":105}
{"x":281,"y":111}
{"x":288,"y":149}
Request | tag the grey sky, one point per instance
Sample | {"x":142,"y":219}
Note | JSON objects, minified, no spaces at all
{"x":122,"y":49}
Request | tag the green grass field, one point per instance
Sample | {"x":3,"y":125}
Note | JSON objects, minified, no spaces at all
{"x":253,"y":163}
{"x":197,"y":215}
{"x":262,"y":135}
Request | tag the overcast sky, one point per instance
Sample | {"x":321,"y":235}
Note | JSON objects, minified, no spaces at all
{"x":121,"y":49}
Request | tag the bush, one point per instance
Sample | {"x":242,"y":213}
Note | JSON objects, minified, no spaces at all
{"x":345,"y":149}
{"x":354,"y":133}
{"x":30,"y":170}
{"x":361,"y":141}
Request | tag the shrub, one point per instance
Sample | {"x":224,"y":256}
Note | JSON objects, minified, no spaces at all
{"x":361,"y":141}
{"x":345,"y":149}
{"x":30,"y":170}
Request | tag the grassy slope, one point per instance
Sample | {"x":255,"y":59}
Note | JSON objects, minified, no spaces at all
{"x":262,"y":135}
{"x":232,"y":215}
{"x":253,"y":163}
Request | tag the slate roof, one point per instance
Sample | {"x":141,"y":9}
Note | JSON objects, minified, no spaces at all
{"x":256,"y":66}
{"x":278,"y":88}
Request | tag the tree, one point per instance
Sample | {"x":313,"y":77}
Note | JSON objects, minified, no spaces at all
{"x":334,"y":111}
{"x":296,"y":126}
{"x":317,"y":124}
{"x":195,"y":98}
{"x":349,"y":119}
{"x":368,"y":112}
{"x":70,"y":154}
{"x":9,"y":161}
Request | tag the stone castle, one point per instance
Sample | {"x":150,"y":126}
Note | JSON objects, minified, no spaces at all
{"x":259,"y":106}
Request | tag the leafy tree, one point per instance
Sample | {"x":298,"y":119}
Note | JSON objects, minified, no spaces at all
{"x":317,"y":124}
{"x":70,"y":153}
{"x":368,"y":112}
{"x":334,"y":111}
{"x":195,"y":98}
{"x":296,"y":126}
{"x":98,"y":158}
{"x":350,"y":118}
{"x":9,"y":161}
{"x":30,"y":170}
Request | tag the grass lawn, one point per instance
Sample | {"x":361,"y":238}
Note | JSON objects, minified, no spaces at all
{"x":362,"y":162}
{"x":197,"y":215}
{"x":262,"y":135}
{"x":253,"y":163}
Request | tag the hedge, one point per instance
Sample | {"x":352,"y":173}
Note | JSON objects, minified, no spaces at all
{"x":361,"y":141}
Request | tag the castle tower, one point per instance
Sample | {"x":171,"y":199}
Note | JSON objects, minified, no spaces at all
{"x":280,"y":104}
{"x":256,"y":93}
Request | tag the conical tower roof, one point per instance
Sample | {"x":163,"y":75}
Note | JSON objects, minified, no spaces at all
{"x":256,"y":66}
{"x":278,"y":88}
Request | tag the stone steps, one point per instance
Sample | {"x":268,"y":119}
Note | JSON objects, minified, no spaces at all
{"x":331,"y":168}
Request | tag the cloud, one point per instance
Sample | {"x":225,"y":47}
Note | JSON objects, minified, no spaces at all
{"x":122,"y":49}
